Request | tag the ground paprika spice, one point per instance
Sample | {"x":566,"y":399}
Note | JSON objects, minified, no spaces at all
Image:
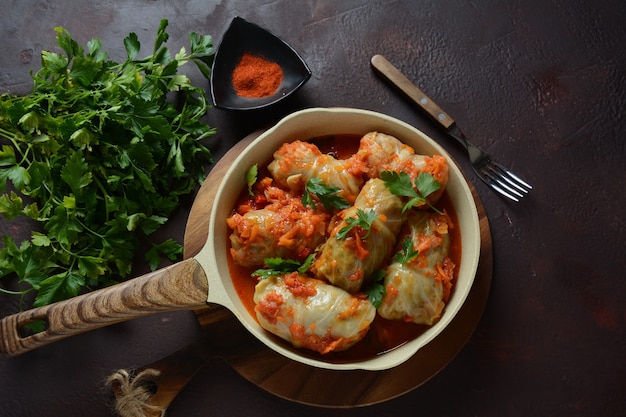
{"x":256,"y":77}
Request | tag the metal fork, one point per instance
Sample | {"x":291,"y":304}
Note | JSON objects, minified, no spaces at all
{"x":491,"y":172}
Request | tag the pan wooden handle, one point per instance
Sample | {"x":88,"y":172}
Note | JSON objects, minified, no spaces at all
{"x":181,"y":286}
{"x":393,"y":74}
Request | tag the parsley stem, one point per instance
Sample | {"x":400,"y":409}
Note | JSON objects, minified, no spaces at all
{"x":8,"y":135}
{"x":24,"y":155}
{"x":11,"y":136}
{"x":52,"y":197}
{"x":10,"y":292}
{"x":93,"y":232}
{"x":105,"y":197}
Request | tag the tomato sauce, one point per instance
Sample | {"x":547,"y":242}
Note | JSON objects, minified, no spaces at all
{"x":384,"y":335}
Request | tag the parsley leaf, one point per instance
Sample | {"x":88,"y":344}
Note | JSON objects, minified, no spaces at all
{"x":399,"y":183}
{"x":426,"y":184}
{"x":170,"y":248}
{"x":251,"y":177}
{"x":280,"y":266}
{"x":327,"y":195}
{"x":407,"y":253}
{"x":363,"y":220}
{"x":376,"y":290}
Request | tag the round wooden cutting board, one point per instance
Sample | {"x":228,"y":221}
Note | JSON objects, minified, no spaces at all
{"x":224,"y":336}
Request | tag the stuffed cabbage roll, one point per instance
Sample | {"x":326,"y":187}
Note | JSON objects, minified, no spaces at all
{"x":381,"y":152}
{"x":347,"y":261}
{"x":297,"y":162}
{"x":312,"y":314}
{"x":283,"y":228}
{"x":417,"y":289}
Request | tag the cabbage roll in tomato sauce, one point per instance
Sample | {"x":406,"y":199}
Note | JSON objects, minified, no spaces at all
{"x":381,"y":152}
{"x":417,"y":290}
{"x":312,"y":314}
{"x":282,"y":228}
{"x":297,"y":162}
{"x":347,"y":262}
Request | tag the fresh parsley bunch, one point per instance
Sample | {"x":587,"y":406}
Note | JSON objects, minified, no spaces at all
{"x":99,"y":154}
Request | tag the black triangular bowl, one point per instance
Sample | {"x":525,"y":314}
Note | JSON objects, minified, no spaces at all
{"x":244,"y":37}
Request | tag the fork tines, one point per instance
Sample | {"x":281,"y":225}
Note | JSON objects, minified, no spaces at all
{"x":504,"y":181}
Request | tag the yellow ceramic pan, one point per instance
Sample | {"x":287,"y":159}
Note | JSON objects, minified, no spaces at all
{"x":205,"y":278}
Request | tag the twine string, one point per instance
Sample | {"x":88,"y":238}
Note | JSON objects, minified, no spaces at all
{"x":132,"y":393}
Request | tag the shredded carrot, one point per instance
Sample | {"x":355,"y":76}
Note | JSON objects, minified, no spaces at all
{"x":270,"y":307}
{"x":298,"y":287}
{"x":391,"y":293}
{"x":361,"y":251}
{"x":357,"y":275}
{"x":424,"y":242}
{"x":294,"y":154}
{"x":351,"y":311}
{"x":437,"y":166}
{"x":288,"y":239}
{"x":440,"y":223}
{"x":445,"y":274}
{"x":310,"y":340}
{"x":356,"y":166}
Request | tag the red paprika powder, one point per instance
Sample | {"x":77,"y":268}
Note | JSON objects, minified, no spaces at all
{"x":256,"y":77}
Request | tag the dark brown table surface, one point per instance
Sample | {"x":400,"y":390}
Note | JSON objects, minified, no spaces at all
{"x":540,"y":84}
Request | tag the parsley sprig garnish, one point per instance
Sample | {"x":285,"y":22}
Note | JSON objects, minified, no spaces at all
{"x":363,"y":220}
{"x":399,"y":183}
{"x":103,"y":155}
{"x":328,"y":195}
{"x":407,"y":253}
{"x":279,"y":266}
{"x":375,"y":291}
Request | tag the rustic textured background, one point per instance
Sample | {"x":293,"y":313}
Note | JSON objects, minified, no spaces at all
{"x":540,"y":84}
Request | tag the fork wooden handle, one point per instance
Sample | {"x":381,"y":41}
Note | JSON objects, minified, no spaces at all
{"x":393,"y":74}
